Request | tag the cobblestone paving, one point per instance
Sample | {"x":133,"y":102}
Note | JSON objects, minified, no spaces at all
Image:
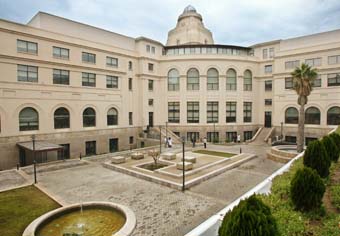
{"x":11,"y":179}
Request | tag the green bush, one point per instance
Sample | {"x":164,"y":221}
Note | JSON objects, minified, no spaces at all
{"x":250,"y":217}
{"x":316,"y":157}
{"x":331,"y":148}
{"x":307,"y":189}
{"x":336,"y":139}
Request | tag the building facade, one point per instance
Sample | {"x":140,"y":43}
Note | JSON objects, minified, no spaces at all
{"x":94,"y":91}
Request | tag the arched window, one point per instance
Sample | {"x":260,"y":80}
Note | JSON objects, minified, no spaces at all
{"x":173,"y":80}
{"x":61,"y":118}
{"x":291,"y":116}
{"x":231,"y":79}
{"x":89,"y":117}
{"x":212,"y":79}
{"x":28,"y":119}
{"x":193,"y":79}
{"x":333,"y":116}
{"x":112,"y":117}
{"x":312,"y":115}
{"x":247,"y":81}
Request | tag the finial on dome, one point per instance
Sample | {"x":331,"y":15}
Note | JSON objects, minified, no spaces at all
{"x":188,"y":9}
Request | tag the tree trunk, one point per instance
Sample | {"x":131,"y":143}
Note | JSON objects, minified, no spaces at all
{"x":301,"y":127}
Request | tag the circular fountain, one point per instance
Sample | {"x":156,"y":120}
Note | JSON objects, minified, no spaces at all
{"x":282,"y":153}
{"x":90,"y":218}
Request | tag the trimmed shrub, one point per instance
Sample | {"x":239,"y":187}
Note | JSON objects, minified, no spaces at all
{"x":316,"y":158}
{"x":250,"y":217}
{"x":336,"y":139}
{"x":307,"y":189}
{"x":331,"y":148}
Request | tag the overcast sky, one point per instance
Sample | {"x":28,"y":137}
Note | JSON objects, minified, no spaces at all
{"x":237,"y":22}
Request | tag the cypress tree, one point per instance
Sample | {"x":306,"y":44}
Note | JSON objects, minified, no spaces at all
{"x":316,"y":158}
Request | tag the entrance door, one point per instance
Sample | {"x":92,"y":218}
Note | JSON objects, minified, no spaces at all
{"x":150,"y":119}
{"x":22,"y":156}
{"x":113,"y":144}
{"x":268,"y":119}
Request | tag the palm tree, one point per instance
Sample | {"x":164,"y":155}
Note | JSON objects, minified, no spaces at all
{"x":303,"y":78}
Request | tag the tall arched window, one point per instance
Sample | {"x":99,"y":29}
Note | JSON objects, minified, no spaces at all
{"x":212,"y":79}
{"x":291,"y":116}
{"x":312,"y":115}
{"x":28,"y":119}
{"x":247,"y":81}
{"x":193,"y":79}
{"x":231,"y":79}
{"x":61,"y":118}
{"x":112,"y":117}
{"x":89,"y":117}
{"x":333,"y":116}
{"x":173,"y":80}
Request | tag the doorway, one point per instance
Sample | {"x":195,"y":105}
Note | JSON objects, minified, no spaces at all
{"x":113,"y":144}
{"x":268,"y":119}
{"x":150,"y":119}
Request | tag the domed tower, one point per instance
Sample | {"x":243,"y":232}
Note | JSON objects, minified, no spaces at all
{"x":189,"y":29}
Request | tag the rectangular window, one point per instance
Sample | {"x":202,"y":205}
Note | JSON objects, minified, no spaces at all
{"x":247,"y":135}
{"x":268,"y":69}
{"x":62,"y":53}
{"x":334,"y":59}
{"x":193,"y":136}
{"x":26,"y":46}
{"x":130,"y":84}
{"x":193,"y":112}
{"x":153,"y":50}
{"x":230,"y":112}
{"x":150,"y":66}
{"x":212,"y":112}
{"x":61,"y":76}
{"x":130,"y":65}
{"x":292,"y":64}
{"x":148,"y":48}
{"x":247,"y":112}
{"x":90,"y":148}
{"x":130,"y":118}
{"x":231,"y":137}
{"x":89,"y":79}
{"x":89,"y":57}
{"x":288,"y":83}
{"x":213,"y":137}
{"x":65,"y":152}
{"x":27,"y":73}
{"x":291,"y":139}
{"x":173,"y":112}
{"x":333,"y":79}
{"x":271,"y":52}
{"x":267,"y":102}
{"x":150,"y":102}
{"x":265,"y":53}
{"x":112,"y":61}
{"x":317,"y":82}
{"x":150,"y":85}
{"x":131,"y":140}
{"x":313,"y":61}
{"x":111,"y":81}
{"x":268,"y":85}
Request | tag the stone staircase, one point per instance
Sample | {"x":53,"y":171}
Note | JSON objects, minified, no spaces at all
{"x":262,"y":137}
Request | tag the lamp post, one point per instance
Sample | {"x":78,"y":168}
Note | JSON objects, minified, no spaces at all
{"x":166,"y":131}
{"x":183,"y":150}
{"x":34,"y":160}
{"x":281,"y":130}
{"x":160,"y":139}
{"x":214,"y":132}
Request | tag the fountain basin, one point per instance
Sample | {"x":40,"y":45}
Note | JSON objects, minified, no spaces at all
{"x":126,"y":220}
{"x":282,"y":153}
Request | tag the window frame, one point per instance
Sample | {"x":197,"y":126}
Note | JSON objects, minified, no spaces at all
{"x":61,"y":77}
{"x":88,"y":79}
{"x":29,"y":71}
{"x":231,"y":112}
{"x":110,"y":60}
{"x":247,"y":112}
{"x":27,"y":49}
{"x":173,"y":112}
{"x":88,"y":57}
{"x":213,"y":79}
{"x":63,"y":118}
{"x":193,"y":112}
{"x":112,"y":81}
{"x":212,"y":112}
{"x":60,"y":55}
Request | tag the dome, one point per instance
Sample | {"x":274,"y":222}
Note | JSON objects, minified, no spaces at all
{"x":189,"y":9}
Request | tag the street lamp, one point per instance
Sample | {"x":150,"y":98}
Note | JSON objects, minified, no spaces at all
{"x":160,"y":139}
{"x":183,"y":150}
{"x":281,"y":131}
{"x":214,"y":140}
{"x":166,"y":132}
{"x":34,"y":160}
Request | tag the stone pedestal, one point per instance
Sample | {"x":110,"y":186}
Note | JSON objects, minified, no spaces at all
{"x":137,"y":155}
{"x":117,"y":160}
{"x":187,"y":165}
{"x":169,"y":156}
{"x":189,"y":159}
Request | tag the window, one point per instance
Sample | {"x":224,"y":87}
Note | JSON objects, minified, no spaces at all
{"x":312,"y":115}
{"x":61,"y":76}
{"x":212,"y":112}
{"x":265,"y":53}
{"x":231,"y":136}
{"x":173,"y":80}
{"x":247,"y":135}
{"x":131,"y":140}
{"x":267,"y":102}
{"x":291,"y":116}
{"x":193,"y":136}
{"x":309,"y":139}
{"x":26,"y":46}
{"x":288,"y":83}
{"x":28,"y":119}
{"x":317,"y":82}
{"x":291,"y":139}
{"x":90,"y":148}
{"x":213,"y":137}
{"x":112,"y":61}
{"x":65,"y":153}
{"x":247,"y":111}
{"x":333,"y":116}
{"x":150,"y":66}
{"x":268,"y":85}
{"x":212,"y":79}
{"x":313,"y":61}
{"x":130,"y":84}
{"x":62,"y":53}
{"x":247,"y":81}
{"x":61,"y":118}
{"x":130,"y":118}
{"x":130,"y":65}
{"x":89,"y":57}
{"x":333,"y":79}
{"x":231,"y":80}
{"x":230,"y":112}
{"x":111,"y":81}
{"x":112,"y":117}
{"x":334,"y":60}
{"x":88,"y":79}
{"x":268,"y":69}
{"x":153,"y":50}
{"x":150,"y":102}
{"x":193,"y":79}
{"x":89,"y":117}
{"x":193,"y":112}
{"x":113,"y":144}
{"x":292,"y":64}
{"x":173,"y":112}
{"x":271,"y":52}
{"x":150,"y":84}
{"x":148,"y":48}
{"x":27,"y":73}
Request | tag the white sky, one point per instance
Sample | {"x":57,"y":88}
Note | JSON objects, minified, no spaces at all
{"x":235,"y":22}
